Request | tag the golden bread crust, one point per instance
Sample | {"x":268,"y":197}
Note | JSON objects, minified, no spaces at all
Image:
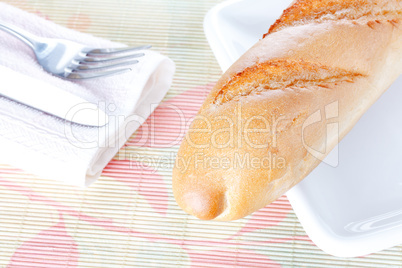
{"x":250,"y":141}
{"x":307,"y":11}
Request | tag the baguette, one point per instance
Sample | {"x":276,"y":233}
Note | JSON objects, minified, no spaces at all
{"x":264,"y":126}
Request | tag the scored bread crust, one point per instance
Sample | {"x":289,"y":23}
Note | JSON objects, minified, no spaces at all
{"x":331,"y":59}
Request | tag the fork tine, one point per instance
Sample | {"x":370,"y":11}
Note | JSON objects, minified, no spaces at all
{"x":80,"y":66}
{"x":105,"y":60}
{"x":107,"y":51}
{"x":88,"y":75}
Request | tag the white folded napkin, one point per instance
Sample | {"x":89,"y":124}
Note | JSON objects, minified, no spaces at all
{"x":45,"y":145}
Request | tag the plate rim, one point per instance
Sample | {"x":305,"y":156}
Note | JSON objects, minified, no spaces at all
{"x":324,"y":238}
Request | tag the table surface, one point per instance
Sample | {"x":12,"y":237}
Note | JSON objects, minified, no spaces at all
{"x":129,"y":218}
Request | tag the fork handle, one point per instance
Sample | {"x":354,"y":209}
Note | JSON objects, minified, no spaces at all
{"x":28,"y":38}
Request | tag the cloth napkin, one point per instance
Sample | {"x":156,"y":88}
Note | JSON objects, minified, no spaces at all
{"x":49,"y":147}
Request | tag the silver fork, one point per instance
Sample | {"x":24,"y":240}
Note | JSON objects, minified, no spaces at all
{"x":72,"y":60}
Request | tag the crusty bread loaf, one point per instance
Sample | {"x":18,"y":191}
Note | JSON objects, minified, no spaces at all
{"x":323,"y":62}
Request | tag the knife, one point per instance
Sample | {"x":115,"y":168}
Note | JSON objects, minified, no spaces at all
{"x":49,"y":99}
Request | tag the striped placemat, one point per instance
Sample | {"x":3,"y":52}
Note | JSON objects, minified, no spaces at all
{"x":129,"y":217}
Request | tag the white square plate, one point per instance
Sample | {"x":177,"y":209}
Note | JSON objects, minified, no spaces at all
{"x":350,"y":210}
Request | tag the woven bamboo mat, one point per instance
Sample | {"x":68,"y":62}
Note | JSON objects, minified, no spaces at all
{"x":129,"y":217}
